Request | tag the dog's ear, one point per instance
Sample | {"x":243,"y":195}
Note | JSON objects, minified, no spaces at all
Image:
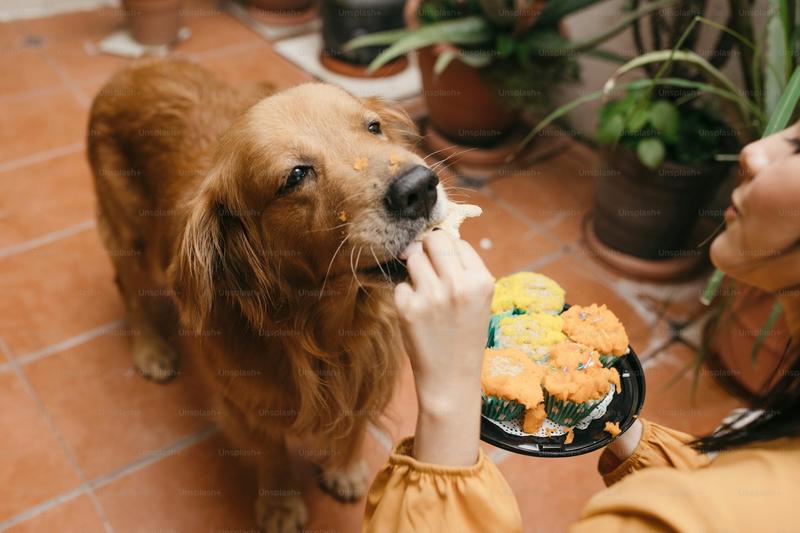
{"x":394,"y":121}
{"x":219,"y":259}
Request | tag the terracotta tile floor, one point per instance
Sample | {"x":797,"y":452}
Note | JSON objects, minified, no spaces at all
{"x":89,"y":446}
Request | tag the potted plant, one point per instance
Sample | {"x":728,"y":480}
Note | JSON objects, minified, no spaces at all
{"x":659,"y":169}
{"x":483,"y":61}
{"x":766,"y":104}
{"x":153,"y":22}
{"x":345,"y":20}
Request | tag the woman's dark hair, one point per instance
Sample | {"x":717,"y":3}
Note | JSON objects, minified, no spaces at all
{"x":780,"y":406}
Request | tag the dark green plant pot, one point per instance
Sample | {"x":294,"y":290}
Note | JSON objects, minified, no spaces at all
{"x":649,"y":213}
{"x":343,"y":20}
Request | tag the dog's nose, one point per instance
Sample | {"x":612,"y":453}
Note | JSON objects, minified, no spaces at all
{"x":413,"y":193}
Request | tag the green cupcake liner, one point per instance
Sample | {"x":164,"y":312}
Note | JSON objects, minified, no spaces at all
{"x":565,"y":412}
{"x":609,"y":360}
{"x":494,"y":323}
{"x":500,"y":409}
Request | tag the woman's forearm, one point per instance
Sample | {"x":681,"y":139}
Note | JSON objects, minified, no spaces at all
{"x":448,"y":428}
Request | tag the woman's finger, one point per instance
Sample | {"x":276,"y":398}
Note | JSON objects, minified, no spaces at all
{"x":441,"y":248}
{"x":402,"y":295}
{"x":422,"y":274}
{"x":470,"y":259}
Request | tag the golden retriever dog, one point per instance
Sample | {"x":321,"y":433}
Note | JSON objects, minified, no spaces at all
{"x":268,"y":225}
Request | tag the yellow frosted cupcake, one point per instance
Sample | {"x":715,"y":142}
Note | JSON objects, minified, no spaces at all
{"x":529,"y":292}
{"x":597,"y":327}
{"x":531,"y":333}
{"x":510,"y":383}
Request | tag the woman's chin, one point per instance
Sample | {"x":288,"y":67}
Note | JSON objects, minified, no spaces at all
{"x":722,"y":253}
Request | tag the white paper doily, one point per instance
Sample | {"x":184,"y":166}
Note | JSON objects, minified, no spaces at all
{"x":550,"y":428}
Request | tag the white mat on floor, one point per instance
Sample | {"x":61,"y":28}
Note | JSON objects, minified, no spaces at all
{"x":120,"y":43}
{"x":304,"y":52}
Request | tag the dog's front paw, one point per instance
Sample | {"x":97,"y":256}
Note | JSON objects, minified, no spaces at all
{"x":281,"y":514}
{"x":155,"y":359}
{"x":347,"y":483}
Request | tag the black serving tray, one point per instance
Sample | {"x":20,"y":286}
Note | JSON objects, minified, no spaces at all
{"x":623,"y":409}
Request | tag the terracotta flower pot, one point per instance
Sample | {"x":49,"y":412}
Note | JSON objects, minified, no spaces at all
{"x":730,"y":337}
{"x":463,"y":104}
{"x":649,"y":213}
{"x":153,"y":22}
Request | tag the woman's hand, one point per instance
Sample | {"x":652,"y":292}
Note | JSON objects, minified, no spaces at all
{"x":444,"y":312}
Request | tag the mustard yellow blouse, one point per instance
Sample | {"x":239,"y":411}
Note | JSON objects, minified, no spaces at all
{"x":756,"y":488}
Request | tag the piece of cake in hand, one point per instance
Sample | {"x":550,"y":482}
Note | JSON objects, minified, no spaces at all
{"x":597,"y":327}
{"x":455,"y":215}
{"x":531,"y":333}
{"x":529,"y":292}
{"x":510,"y":383}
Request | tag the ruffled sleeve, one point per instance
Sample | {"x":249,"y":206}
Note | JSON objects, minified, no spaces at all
{"x":659,"y":446}
{"x":409,"y":496}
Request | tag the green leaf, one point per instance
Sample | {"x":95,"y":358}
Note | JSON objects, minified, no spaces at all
{"x":774,"y":79}
{"x":651,"y":152}
{"x":636,"y":85}
{"x":475,"y":60}
{"x":609,"y":131}
{"x":443,"y":61}
{"x":380,"y":38}
{"x":786,"y":105}
{"x":504,"y":45}
{"x":638,"y":119}
{"x":665,"y":118}
{"x":774,"y":314}
{"x":474,"y":30}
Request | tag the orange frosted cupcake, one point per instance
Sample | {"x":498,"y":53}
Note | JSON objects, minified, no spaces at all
{"x":577,"y":383}
{"x":597,"y":327}
{"x":510,"y":383}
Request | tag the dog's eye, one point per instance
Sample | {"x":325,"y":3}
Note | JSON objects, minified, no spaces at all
{"x":374,"y":127}
{"x":296,"y":176}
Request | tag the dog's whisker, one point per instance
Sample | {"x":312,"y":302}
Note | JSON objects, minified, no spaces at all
{"x":434,"y":153}
{"x":327,"y":272}
{"x":385,"y":275}
{"x":436,"y":166}
{"x":329,"y":229}
{"x":355,"y":268}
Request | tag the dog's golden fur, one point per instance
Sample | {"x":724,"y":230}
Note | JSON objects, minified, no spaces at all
{"x":296,"y":336}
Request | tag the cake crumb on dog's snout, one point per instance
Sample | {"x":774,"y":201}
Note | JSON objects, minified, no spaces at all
{"x":394,"y":162}
{"x":343,"y":216}
{"x":360,"y":163}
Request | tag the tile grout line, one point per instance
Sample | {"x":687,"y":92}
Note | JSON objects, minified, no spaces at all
{"x":47,"y":238}
{"x":83,"y":488}
{"x":102,"y":481}
{"x":87,"y":486}
{"x":153,"y":457}
{"x":68,"y":82}
{"x":70,"y":342}
{"x":40,"y":157}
